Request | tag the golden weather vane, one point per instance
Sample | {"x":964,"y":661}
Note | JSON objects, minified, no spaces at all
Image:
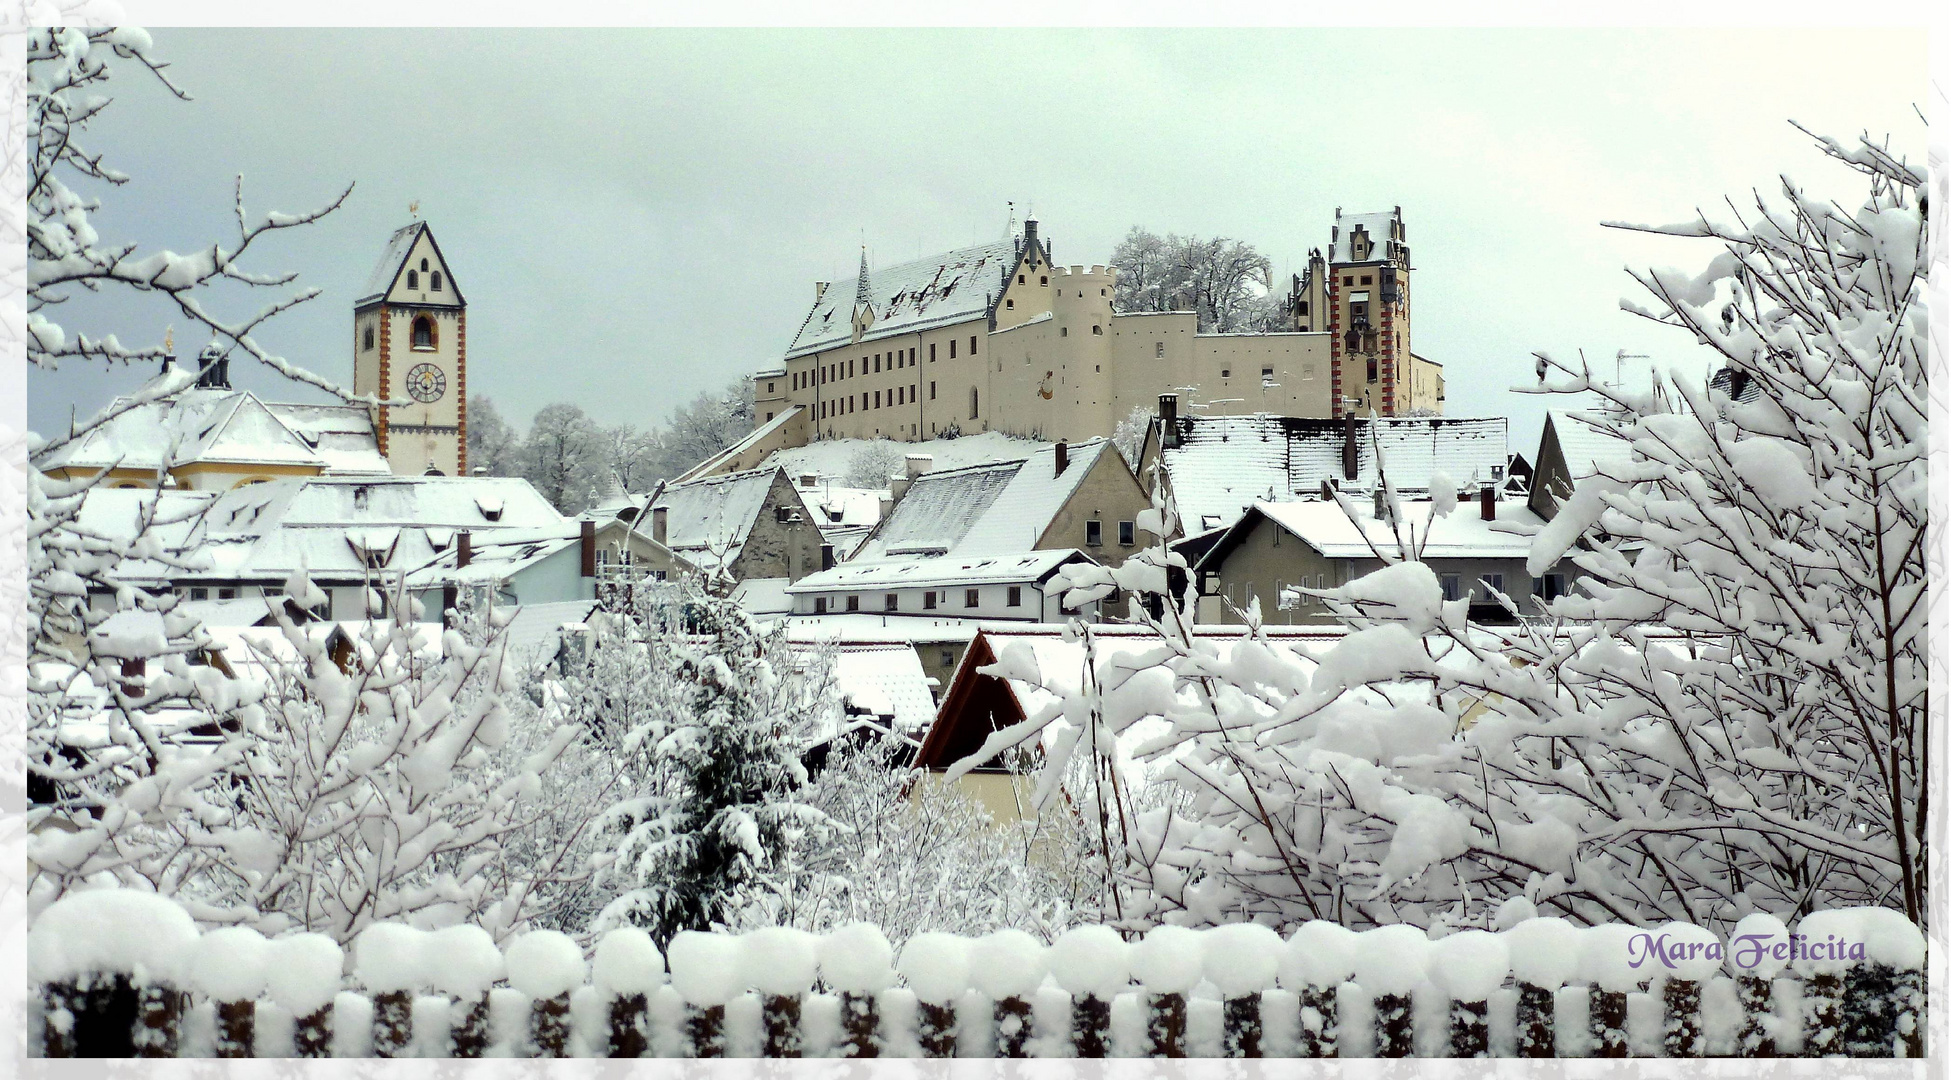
{"x":413,"y":209}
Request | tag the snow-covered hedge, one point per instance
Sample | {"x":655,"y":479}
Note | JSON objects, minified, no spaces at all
{"x":735,"y":993}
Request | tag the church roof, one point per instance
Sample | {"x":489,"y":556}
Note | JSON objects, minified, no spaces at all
{"x":392,"y":262}
{"x":936,"y":291}
{"x":226,"y":427}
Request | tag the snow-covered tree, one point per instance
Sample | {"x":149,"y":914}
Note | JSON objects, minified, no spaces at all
{"x":562,"y":456}
{"x":873,"y":463}
{"x":713,"y":764}
{"x":1728,"y":714}
{"x":1129,"y":436}
{"x":630,"y":453}
{"x":1227,"y":282}
{"x":492,"y":443}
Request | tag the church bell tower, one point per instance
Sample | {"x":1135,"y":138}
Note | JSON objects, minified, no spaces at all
{"x":409,"y":349}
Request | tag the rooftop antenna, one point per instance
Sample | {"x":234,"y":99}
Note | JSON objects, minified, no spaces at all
{"x":1619,"y":366}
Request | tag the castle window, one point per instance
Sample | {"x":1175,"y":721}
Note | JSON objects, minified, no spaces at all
{"x":1098,"y":330}
{"x":1226,"y":373}
{"x":1010,"y":305}
{"x":768,"y":388}
{"x":974,"y":402}
{"x":1303,"y":307}
{"x":1348,"y":279}
{"x":972,"y":345}
{"x":1103,"y":292}
{"x":1368,"y":279}
{"x":412,"y":279}
{"x":1019,"y":278}
{"x":1161,"y":349}
{"x":1371,"y":378}
{"x":1063,"y":331}
{"x":436,"y":281}
{"x":951,"y":348}
{"x":931,"y":389}
{"x":369,"y":335}
{"x":423,"y":333}
{"x":1044,"y":280}
{"x":423,"y":266}
{"x":877,"y":399}
{"x":931,"y":352}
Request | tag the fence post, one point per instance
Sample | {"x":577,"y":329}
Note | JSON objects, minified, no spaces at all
{"x":1608,"y":1022}
{"x":62,"y":1004}
{"x":313,"y":1035}
{"x":1012,"y":1027}
{"x":782,"y":1037}
{"x":1242,"y":1029}
{"x":1394,"y":1031}
{"x":1090,"y":1026}
{"x":392,"y":1023}
{"x":1165,"y":1025}
{"x":469,"y":1038}
{"x":1680,"y":1027}
{"x":236,"y":1029}
{"x":935,"y":1030}
{"x":548,"y":1026}
{"x":1870,"y":1011}
{"x":628,"y":1034}
{"x":706,"y":1026}
{"x":1822,"y":1015}
{"x":1320,"y":1027}
{"x":860,"y":1014}
{"x":1470,"y":1029}
{"x":1537,"y":1021}
{"x":161,"y":1010}
{"x":1757,"y":1002}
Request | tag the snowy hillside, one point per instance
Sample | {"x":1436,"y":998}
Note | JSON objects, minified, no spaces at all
{"x":831,"y":457}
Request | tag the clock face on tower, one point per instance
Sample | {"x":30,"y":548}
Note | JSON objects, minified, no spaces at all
{"x":426,"y":383}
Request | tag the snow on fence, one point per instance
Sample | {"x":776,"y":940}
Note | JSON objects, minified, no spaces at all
{"x":123,"y":973}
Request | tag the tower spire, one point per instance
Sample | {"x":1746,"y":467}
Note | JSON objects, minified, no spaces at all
{"x":863,"y":296}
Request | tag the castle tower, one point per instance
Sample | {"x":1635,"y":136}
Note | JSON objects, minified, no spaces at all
{"x":1078,"y":383}
{"x":1368,"y":314}
{"x":409,"y":344}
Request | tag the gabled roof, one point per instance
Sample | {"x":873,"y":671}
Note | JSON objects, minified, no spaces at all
{"x":937,"y":291}
{"x":392,"y":263}
{"x":710,"y":519}
{"x":1586,"y":442}
{"x":1224,"y":463}
{"x":998,"y":508}
{"x":1325,"y":527}
{"x":1022,"y":566}
{"x":228,"y":427}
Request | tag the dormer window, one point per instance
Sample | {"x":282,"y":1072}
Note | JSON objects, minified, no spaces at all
{"x":423,"y":332}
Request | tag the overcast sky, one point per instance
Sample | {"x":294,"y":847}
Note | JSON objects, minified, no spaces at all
{"x":637,"y":216}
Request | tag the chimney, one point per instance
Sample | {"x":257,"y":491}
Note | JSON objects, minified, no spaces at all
{"x":819,"y":290}
{"x":1168,"y":421}
{"x":919,"y":463}
{"x":1327,"y":490}
{"x":660,"y":524}
{"x":1063,"y":457}
{"x":1487,"y":501}
{"x":887,"y":506}
{"x":897,"y":486}
{"x":463,"y":549}
{"x":1350,"y":449}
{"x":1029,"y":232}
{"x":809,"y":480}
{"x":589,"y":548}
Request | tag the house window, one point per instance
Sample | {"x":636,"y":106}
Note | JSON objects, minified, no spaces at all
{"x":423,"y":333}
{"x":369,"y":335}
{"x":892,"y":602}
{"x":1303,"y":307}
{"x":1094,"y":533}
{"x":1371,"y":367}
{"x":1348,"y":279}
{"x":928,"y":600}
{"x":819,"y":605}
{"x":1159,"y":346}
{"x":1127,"y":535}
{"x":1015,"y":596}
{"x":1368,"y":279}
{"x":1549,"y":587}
{"x":948,"y":658}
{"x":853,"y":603}
{"x":768,"y":387}
{"x":227,"y":592}
{"x":198,"y":592}
{"x":1452,"y":586}
{"x":1495,"y":581}
{"x":971,"y":597}
{"x":413,"y":279}
{"x":877,"y":399}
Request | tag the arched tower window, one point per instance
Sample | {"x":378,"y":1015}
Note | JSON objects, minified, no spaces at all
{"x":436,"y":281}
{"x":423,"y":333}
{"x":368,"y":342}
{"x":413,"y":279}
{"x":423,"y":266}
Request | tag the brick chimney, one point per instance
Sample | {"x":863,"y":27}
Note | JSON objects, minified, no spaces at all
{"x":463,"y":548}
{"x":1168,"y":421}
{"x":589,"y":548}
{"x":1487,"y":502}
{"x":1063,"y":457}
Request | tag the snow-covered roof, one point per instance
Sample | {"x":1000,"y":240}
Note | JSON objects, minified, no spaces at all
{"x":534,"y":630}
{"x":838,"y":508}
{"x":751,"y":439}
{"x":231,"y":427}
{"x":709,"y":519}
{"x":1000,"y":508}
{"x":1461,"y":534}
{"x":832,"y":457}
{"x":1224,"y":463}
{"x":1586,"y":442}
{"x":936,"y":291}
{"x":761,"y":597}
{"x":392,"y":261}
{"x":885,"y":678}
{"x":1021,"y":566}
{"x":861,"y":626}
{"x":1377,"y":225}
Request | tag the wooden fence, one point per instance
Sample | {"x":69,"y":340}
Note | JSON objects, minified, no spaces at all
{"x":1861,"y":1009}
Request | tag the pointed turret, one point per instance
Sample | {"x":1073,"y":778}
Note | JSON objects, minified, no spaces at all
{"x":863,"y":299}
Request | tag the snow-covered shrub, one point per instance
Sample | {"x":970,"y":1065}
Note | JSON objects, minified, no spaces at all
{"x":874,"y":462}
{"x":1727,"y":715}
